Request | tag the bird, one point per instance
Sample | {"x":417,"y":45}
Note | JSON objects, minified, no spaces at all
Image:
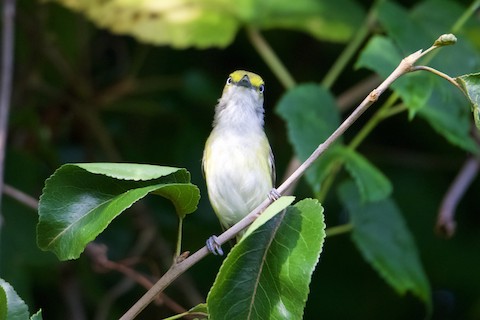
{"x":238,"y":163}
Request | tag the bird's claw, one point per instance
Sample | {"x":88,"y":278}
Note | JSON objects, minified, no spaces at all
{"x":274,"y":195}
{"x":214,"y":246}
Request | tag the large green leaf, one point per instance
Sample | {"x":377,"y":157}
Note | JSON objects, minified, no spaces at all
{"x":12,"y":307}
{"x":311,"y":116}
{"x":382,"y":237}
{"x":372,"y":184}
{"x":184,"y":23}
{"x":267,"y":274}
{"x":80,"y":200}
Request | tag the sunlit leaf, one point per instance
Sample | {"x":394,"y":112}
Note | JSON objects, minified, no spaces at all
{"x":185,"y":23}
{"x":266,"y":275}
{"x":382,"y":237}
{"x":12,"y":307}
{"x":37,"y":316}
{"x":80,"y":200}
{"x":269,"y":213}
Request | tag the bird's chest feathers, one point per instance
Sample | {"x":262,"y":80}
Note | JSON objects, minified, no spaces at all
{"x":240,"y":159}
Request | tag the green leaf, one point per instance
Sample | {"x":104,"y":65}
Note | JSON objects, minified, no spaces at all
{"x":3,"y":303}
{"x":383,"y":239}
{"x":266,"y":276}
{"x":128,"y":171}
{"x":80,"y":200}
{"x":326,"y":20}
{"x":371,"y":182}
{"x":12,"y":307}
{"x":311,"y":116}
{"x":201,"y":307}
{"x":269,"y":213}
{"x":380,"y":55}
{"x":183,"y":23}
{"x":37,"y":316}
{"x":470,"y":84}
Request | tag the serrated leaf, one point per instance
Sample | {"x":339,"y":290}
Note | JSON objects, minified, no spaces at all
{"x":311,"y":116}
{"x":3,"y":303}
{"x":202,"y":24}
{"x":266,"y":276}
{"x":383,"y":239}
{"x":78,"y":204}
{"x":37,"y":316}
{"x":12,"y":307}
{"x":371,"y":182}
{"x":470,"y":84}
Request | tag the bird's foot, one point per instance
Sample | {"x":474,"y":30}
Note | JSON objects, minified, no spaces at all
{"x":274,"y":195}
{"x":213,"y":246}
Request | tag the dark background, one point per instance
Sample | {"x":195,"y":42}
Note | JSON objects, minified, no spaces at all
{"x":82,"y":94}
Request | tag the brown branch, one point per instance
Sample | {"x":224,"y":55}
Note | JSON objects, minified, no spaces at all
{"x":21,"y":197}
{"x":98,"y":254}
{"x":446,"y":225}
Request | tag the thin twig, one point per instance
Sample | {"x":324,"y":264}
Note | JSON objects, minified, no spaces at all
{"x":8,"y":28}
{"x":21,"y":197}
{"x":446,"y":216}
{"x":177,"y":269}
{"x":438,"y":73}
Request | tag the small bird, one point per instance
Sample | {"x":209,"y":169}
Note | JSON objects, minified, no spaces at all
{"x":238,"y":162}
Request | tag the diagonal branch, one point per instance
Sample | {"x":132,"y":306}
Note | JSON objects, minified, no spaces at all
{"x":405,"y":66}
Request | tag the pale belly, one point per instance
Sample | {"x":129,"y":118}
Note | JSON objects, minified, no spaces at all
{"x":238,"y":176}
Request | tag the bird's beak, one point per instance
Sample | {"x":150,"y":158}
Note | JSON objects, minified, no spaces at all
{"x":245,"y":82}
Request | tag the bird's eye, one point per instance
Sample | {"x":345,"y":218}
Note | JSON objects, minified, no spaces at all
{"x":261,"y":88}
{"x":229,"y":80}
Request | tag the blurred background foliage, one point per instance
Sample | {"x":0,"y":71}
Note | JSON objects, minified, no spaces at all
{"x":84,"y":94}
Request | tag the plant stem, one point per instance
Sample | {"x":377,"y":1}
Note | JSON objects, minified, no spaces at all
{"x":179,"y":238}
{"x":438,"y":73}
{"x":465,"y":16}
{"x":446,"y":216}
{"x":270,"y":57}
{"x":338,"y":230}
{"x":350,"y":49}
